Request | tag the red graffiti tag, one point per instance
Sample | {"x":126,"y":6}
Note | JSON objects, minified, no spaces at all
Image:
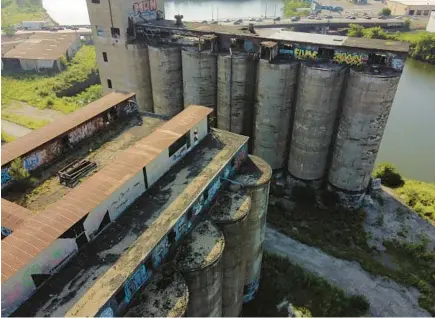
{"x":144,"y":6}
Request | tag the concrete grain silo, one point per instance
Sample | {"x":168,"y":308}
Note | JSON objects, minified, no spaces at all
{"x":276,"y":84}
{"x":366,"y":105}
{"x":166,"y":295}
{"x":137,"y":79}
{"x":199,"y":258}
{"x":318,"y":98}
{"x":166,"y":79}
{"x":199,"y":77}
{"x":236,"y":92}
{"x":254,"y":175}
{"x":230,"y":213}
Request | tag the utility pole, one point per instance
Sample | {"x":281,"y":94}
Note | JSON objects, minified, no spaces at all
{"x":212,"y":16}
{"x":274,"y":15}
{"x":265,"y":11}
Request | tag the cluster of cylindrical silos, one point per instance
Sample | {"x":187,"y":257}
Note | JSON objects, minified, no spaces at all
{"x":318,"y":121}
{"x":220,"y":259}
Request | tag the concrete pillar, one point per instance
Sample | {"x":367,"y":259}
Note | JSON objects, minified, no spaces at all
{"x":199,"y":258}
{"x":167,"y":79}
{"x":166,"y":295}
{"x":255,"y":175}
{"x":276,"y":83}
{"x":230,"y":213}
{"x":317,"y":105}
{"x":236,"y":92}
{"x":366,"y":105}
{"x":199,"y":77}
{"x":137,"y":79}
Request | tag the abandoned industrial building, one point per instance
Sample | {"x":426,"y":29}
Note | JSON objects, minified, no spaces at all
{"x":140,"y":177}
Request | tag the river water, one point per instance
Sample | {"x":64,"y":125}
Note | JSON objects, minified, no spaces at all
{"x":409,"y":138}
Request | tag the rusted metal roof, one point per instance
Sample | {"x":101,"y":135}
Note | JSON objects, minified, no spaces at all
{"x":37,"y":138}
{"x":13,"y":215}
{"x":38,"y":232}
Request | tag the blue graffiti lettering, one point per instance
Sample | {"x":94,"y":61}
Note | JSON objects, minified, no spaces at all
{"x":6,"y":231}
{"x":31,"y":162}
{"x":160,"y":252}
{"x":6,"y":177}
{"x":136,"y":281}
{"x":251,"y":289}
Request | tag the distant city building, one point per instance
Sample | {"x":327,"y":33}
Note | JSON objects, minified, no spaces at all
{"x":431,"y":23}
{"x":411,"y":7}
{"x":39,"y":51}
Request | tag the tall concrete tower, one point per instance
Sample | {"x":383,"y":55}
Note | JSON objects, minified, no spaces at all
{"x":124,"y":65}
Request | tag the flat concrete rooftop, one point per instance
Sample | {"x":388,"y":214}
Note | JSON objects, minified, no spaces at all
{"x":101,"y":149}
{"x":98,"y":270}
{"x":281,"y":35}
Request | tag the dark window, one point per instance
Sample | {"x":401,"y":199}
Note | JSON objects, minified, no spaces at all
{"x":105,"y":56}
{"x":189,"y":214}
{"x":325,"y":53}
{"x":109,"y":83}
{"x":171,"y":237}
{"x":116,"y":33}
{"x":377,"y":59}
{"x":95,"y":1}
{"x":411,"y":12}
{"x":179,"y":143}
{"x":145,"y":177}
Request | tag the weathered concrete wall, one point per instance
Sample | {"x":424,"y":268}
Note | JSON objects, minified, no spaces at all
{"x":276,"y":83}
{"x":317,"y":104}
{"x":166,"y":295}
{"x":236,"y":92}
{"x":199,"y":259}
{"x":136,"y":77}
{"x":254,"y":175}
{"x":230,"y":213}
{"x":367,"y":102}
{"x":199,"y":77}
{"x":166,"y":79}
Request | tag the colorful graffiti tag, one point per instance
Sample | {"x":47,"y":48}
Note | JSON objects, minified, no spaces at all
{"x":6,"y":177}
{"x":133,"y":284}
{"x":145,"y":10}
{"x":32,"y":161}
{"x":6,"y":231}
{"x":350,"y":58}
{"x":305,"y":54}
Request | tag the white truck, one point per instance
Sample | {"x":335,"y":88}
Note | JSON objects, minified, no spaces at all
{"x":33,"y":25}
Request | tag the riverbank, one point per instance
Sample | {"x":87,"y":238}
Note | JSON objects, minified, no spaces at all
{"x":386,"y":237}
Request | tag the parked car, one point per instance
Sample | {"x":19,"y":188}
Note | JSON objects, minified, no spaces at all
{"x":213,"y":22}
{"x":350,"y":17}
{"x":227,"y":20}
{"x":277,"y":19}
{"x":294,"y":19}
{"x":239,"y":21}
{"x":367,"y":17}
{"x":74,"y":28}
{"x":252,"y":19}
{"x":311,"y":17}
{"x":382,"y":17}
{"x":204,"y":21}
{"x":328,"y":16}
{"x":318,"y":18}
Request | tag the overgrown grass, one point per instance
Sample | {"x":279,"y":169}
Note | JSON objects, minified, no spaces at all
{"x":29,"y":10}
{"x":24,"y":120}
{"x":290,"y":7}
{"x":39,"y":90}
{"x":418,"y":195}
{"x":309,"y":294}
{"x":6,"y":137}
{"x":341,"y":233}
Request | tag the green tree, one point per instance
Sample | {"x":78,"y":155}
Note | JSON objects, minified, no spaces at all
{"x":17,"y":171}
{"x":386,"y":12}
{"x":375,"y":33}
{"x":290,"y":7}
{"x":9,"y":30}
{"x":388,"y":174}
{"x":355,"y":31}
{"x":407,"y":23}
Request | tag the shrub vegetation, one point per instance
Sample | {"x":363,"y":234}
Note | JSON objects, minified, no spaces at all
{"x":40,"y":90}
{"x":388,"y":175}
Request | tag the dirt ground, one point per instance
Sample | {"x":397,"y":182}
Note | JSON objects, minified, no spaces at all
{"x":386,"y":297}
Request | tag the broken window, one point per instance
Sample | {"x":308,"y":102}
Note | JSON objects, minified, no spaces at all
{"x":377,"y":59}
{"x":179,"y":143}
{"x":411,"y":12}
{"x":109,"y":83}
{"x":116,"y":33}
{"x":105,"y":56}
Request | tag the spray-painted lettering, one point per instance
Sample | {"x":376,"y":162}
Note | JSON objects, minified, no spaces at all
{"x":145,"y":10}
{"x":6,"y":177}
{"x":160,"y":252}
{"x":131,"y":107}
{"x":31,"y":162}
{"x":397,"y":64}
{"x":85,"y":130}
{"x":305,"y":54}
{"x":350,"y":58}
{"x":136,"y":281}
